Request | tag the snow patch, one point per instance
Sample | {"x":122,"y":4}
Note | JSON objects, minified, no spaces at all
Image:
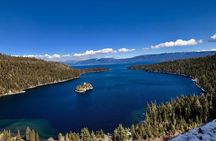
{"x":206,"y":132}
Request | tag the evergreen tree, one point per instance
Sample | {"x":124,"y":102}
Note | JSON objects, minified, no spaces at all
{"x":28,"y":130}
{"x":67,"y":137}
{"x":37,"y":138}
{"x":85,"y":135}
{"x":6,"y":135}
{"x":93,"y":136}
{"x":32,"y":136}
{"x":120,"y":134}
{"x":60,"y":137}
{"x":18,"y":136}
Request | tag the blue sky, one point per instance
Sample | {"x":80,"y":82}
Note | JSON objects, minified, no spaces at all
{"x":108,"y":28}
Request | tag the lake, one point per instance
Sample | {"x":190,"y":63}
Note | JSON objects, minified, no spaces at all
{"x":119,"y":96}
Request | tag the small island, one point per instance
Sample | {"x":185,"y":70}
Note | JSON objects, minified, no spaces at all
{"x":83,"y":88}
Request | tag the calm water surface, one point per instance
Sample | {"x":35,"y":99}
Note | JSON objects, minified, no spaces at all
{"x":119,"y":96}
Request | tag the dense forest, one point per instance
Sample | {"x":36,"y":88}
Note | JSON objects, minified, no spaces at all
{"x":19,"y":73}
{"x":160,"y":120}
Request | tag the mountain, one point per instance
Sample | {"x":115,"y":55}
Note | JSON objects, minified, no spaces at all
{"x":154,"y":58}
{"x":95,"y":61}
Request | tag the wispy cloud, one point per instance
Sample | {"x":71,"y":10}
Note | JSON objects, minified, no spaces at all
{"x":179,"y":42}
{"x":125,"y":50}
{"x":95,"y":52}
{"x":53,"y":57}
{"x":212,"y":49}
{"x":79,"y":56}
{"x":213,"y":38}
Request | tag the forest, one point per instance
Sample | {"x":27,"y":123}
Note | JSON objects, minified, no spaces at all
{"x":20,"y":73}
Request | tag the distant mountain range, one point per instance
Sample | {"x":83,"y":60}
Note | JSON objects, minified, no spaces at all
{"x":154,"y":58}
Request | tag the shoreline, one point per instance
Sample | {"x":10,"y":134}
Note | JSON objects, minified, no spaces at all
{"x":184,"y":75}
{"x":193,"y":79}
{"x":40,"y":85}
{"x":84,"y":71}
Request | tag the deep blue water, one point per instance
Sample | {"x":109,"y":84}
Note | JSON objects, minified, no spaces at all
{"x":119,"y":96}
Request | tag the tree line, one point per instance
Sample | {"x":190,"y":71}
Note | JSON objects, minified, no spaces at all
{"x":32,"y":135}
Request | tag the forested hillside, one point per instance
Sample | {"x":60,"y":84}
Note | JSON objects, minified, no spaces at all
{"x":185,"y":112}
{"x":19,"y":73}
{"x":200,"y":69}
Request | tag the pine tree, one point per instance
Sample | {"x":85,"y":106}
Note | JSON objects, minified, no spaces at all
{"x":32,"y":136}
{"x":37,"y":138}
{"x":197,"y":107}
{"x":205,"y":109}
{"x":6,"y":135}
{"x":28,"y":130}
{"x":120,"y":134}
{"x":18,"y":136}
{"x":93,"y":136}
{"x":67,"y":137}
{"x":133,"y":132}
{"x":85,"y":135}
{"x":102,"y":134}
{"x":60,"y":137}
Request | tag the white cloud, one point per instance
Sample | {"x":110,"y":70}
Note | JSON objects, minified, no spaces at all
{"x":213,"y":37}
{"x":125,"y":50}
{"x":176,"y":43}
{"x":212,"y":49}
{"x":44,"y":56}
{"x":53,"y":56}
{"x":96,"y":52}
{"x":78,"y":56}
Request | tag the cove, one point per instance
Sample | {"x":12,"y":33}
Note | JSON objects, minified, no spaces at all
{"x":119,"y":96}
